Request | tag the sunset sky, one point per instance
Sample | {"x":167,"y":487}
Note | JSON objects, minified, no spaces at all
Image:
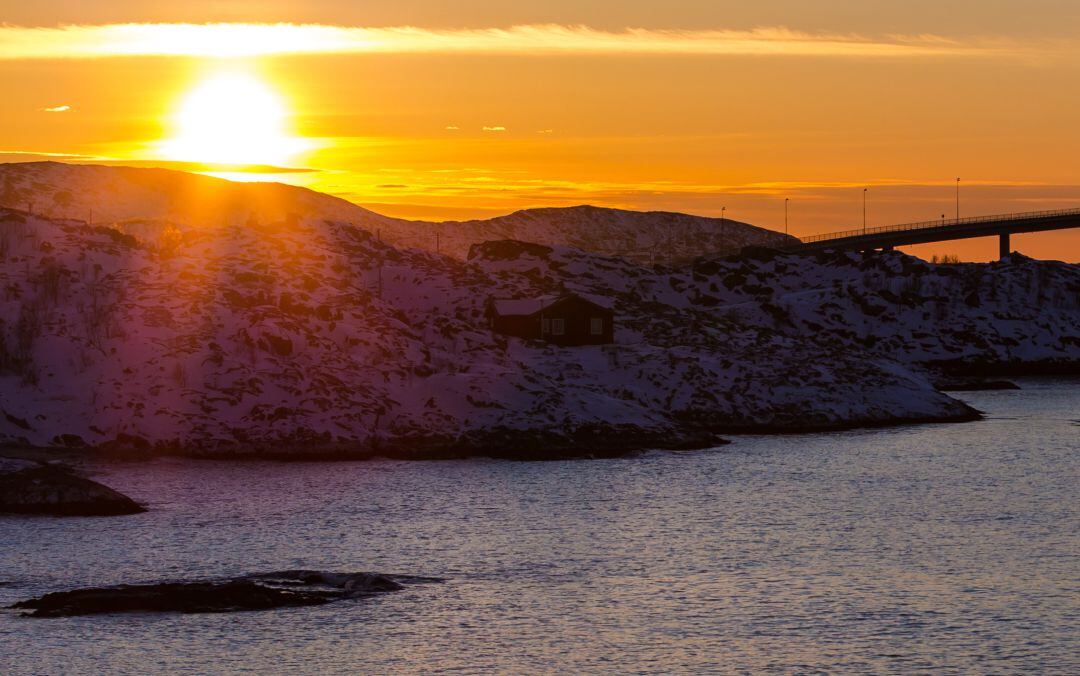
{"x":432,"y":109}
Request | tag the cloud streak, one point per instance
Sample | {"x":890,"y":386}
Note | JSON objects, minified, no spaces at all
{"x":248,"y":40}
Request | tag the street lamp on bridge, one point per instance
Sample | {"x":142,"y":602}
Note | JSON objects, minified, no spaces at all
{"x":864,"y":191}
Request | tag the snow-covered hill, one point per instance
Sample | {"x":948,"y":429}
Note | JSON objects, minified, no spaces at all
{"x":644,"y":237}
{"x":134,"y":199}
{"x":305,"y":333}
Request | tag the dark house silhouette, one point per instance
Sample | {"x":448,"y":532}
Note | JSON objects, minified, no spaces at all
{"x":563,"y":320}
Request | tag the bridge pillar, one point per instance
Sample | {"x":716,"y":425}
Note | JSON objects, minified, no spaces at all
{"x":1003,"y":245}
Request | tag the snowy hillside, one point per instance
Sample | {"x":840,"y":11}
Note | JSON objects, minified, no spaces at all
{"x":129,"y":198}
{"x":304,"y":333}
{"x":1015,"y":315}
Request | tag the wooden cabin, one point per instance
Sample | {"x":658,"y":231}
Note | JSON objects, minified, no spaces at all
{"x":563,"y":320}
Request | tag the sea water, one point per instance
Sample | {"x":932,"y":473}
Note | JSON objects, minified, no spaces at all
{"x":945,"y":548}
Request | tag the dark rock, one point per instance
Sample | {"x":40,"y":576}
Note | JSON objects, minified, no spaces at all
{"x":189,"y":597}
{"x":283,"y":347}
{"x":117,"y":236}
{"x":260,"y":591}
{"x":18,"y":422}
{"x":28,"y":487}
{"x":507,"y":250}
{"x":132,"y":442}
{"x":759,"y":253}
{"x":976,"y":385}
{"x":584,"y":441}
{"x":353,"y":584}
{"x":970,"y":368}
{"x":69,"y":441}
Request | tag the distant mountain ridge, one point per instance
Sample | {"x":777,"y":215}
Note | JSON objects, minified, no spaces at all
{"x":131,"y":197}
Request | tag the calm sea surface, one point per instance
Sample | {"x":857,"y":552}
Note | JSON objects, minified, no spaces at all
{"x":951,"y":548}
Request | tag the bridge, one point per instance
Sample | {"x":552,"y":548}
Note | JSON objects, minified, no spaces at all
{"x":890,"y":236}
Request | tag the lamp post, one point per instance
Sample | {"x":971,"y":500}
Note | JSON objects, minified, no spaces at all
{"x":864,"y":191}
{"x":957,"y":199}
{"x":722,"y":210}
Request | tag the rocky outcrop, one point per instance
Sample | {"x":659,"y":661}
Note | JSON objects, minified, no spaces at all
{"x":261,"y":591}
{"x":28,"y":487}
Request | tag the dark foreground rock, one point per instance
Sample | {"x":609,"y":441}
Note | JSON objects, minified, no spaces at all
{"x":261,"y":591}
{"x":28,"y":487}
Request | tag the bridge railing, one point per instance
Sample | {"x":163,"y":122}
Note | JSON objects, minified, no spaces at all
{"x":924,"y":225}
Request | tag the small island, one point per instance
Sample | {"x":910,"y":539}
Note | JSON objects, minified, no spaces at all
{"x":31,"y":487}
{"x":259,"y":591}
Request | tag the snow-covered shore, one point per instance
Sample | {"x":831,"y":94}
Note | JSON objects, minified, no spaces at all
{"x":305,"y":335}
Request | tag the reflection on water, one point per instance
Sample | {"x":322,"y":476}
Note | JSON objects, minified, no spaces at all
{"x":935,"y":547}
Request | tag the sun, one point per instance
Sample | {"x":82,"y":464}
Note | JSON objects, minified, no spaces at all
{"x":232,"y":118}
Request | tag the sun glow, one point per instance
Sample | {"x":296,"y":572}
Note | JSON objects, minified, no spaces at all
{"x":232,"y":118}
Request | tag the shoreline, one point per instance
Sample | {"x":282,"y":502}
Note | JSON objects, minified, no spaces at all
{"x":1045,"y":368}
{"x":594,"y":442}
{"x":587,"y":442}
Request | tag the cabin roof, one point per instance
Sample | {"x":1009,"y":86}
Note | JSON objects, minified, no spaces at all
{"x":523,"y":306}
{"x":530,"y":306}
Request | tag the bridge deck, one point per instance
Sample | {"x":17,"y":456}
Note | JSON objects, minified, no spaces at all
{"x":940,"y":231}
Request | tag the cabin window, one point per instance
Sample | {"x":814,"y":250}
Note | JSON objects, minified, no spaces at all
{"x":545,"y":326}
{"x":558,"y":327}
{"x":596,"y":326}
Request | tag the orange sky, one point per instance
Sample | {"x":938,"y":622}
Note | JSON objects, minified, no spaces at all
{"x":425,"y":110}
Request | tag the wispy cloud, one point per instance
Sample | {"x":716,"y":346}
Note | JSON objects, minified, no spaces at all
{"x":33,"y":155}
{"x":494,"y":128}
{"x":242,"y":40}
{"x":452,"y":127}
{"x":57,"y":109}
